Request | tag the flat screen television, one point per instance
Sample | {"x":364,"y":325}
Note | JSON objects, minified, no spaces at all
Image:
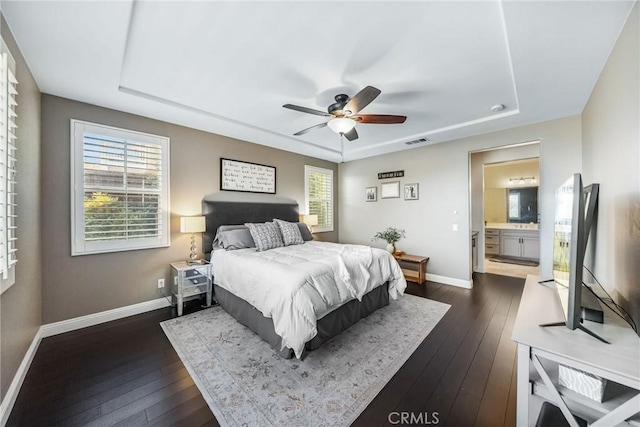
{"x":575,"y":210}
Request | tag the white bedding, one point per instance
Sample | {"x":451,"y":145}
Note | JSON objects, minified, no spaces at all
{"x":295,"y":285}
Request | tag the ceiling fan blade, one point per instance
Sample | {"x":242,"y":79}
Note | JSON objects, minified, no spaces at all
{"x":306,"y":110}
{"x":303,"y":131}
{"x":352,"y":135}
{"x":381,"y":119}
{"x":362,"y":99}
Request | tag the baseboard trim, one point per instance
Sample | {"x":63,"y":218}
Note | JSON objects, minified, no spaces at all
{"x":14,"y":388}
{"x":69,"y":325}
{"x":467,"y":284}
{"x":61,"y":327}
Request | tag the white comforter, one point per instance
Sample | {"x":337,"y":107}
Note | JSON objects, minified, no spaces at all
{"x":295,"y":285}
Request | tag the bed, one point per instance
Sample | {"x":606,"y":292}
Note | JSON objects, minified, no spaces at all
{"x":295,"y":297}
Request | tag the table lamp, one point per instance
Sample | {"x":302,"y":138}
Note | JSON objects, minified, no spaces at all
{"x":310,"y":220}
{"x":193,"y":225}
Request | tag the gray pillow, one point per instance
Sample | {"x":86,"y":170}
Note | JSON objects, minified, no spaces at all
{"x":290,"y":232}
{"x":217,"y":244}
{"x":304,"y":231}
{"x":239,"y":238}
{"x":231,"y":227}
{"x":266,"y":236}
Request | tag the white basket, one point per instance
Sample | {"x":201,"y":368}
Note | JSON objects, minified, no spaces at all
{"x":581,"y":382}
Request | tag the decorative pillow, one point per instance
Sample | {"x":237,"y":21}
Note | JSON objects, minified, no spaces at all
{"x":266,"y":236}
{"x":290,"y":232}
{"x":304,"y":231}
{"x":235,"y":239}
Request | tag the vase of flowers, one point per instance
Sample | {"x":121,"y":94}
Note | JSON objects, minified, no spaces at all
{"x":391,"y":235}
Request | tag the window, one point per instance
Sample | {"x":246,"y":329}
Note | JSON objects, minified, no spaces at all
{"x":119,"y":189}
{"x":514,"y":206}
{"x":318,"y":184}
{"x":8,"y":213}
{"x":523,"y":204}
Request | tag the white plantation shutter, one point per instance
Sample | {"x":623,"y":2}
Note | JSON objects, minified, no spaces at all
{"x":319,"y":196}
{"x":120,"y":189}
{"x":8,"y":127}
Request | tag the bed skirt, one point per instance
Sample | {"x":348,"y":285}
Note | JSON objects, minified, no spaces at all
{"x":328,"y":327}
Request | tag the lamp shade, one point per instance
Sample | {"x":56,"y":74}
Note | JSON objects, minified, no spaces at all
{"x":341,"y":124}
{"x":192,"y":224}
{"x":309,"y":219}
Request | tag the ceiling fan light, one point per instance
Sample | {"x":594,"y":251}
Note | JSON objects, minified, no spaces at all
{"x":341,"y":124}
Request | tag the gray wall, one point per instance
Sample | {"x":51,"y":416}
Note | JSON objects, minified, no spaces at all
{"x":77,"y":286}
{"x":20,"y":305}
{"x":442,"y":170}
{"x":611,"y":157}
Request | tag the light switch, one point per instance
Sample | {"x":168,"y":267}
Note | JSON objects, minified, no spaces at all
{"x":454,"y":227}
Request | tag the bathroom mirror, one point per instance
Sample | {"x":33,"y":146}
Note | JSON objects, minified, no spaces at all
{"x":522,"y":205}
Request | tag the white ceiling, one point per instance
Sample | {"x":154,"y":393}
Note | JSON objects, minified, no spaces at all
{"x":227,"y":67}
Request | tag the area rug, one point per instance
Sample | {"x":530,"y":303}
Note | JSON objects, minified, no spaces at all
{"x":518,"y":261}
{"x":246,"y":383}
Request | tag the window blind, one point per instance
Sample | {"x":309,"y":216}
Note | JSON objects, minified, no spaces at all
{"x":8,"y":127}
{"x":122,"y":189}
{"x":319,"y":192}
{"x":121,"y":202}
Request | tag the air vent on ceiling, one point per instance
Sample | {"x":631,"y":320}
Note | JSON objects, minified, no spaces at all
{"x":417,"y":141}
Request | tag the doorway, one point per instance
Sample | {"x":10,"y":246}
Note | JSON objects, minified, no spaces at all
{"x":505,"y":211}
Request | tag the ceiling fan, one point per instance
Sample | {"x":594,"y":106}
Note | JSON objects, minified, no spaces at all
{"x":344,"y":114}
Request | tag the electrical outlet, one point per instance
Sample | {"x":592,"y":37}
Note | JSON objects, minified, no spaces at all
{"x":160,"y":283}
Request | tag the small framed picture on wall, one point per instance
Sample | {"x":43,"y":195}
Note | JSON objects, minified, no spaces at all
{"x":371,"y":194}
{"x":390,"y":190}
{"x":411,"y":191}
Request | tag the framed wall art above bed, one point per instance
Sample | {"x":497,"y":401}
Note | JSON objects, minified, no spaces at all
{"x":236,"y":175}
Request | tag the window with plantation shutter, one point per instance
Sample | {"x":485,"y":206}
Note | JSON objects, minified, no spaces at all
{"x":318,"y":184}
{"x":8,"y":127}
{"x":120,"y":189}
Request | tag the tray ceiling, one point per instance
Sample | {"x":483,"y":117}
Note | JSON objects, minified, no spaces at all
{"x":227,"y":67}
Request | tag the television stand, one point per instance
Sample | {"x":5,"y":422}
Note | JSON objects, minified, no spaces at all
{"x":540,"y":351}
{"x":590,"y":308}
{"x":582,"y":328}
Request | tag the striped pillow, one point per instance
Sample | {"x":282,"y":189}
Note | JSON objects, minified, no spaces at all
{"x":266,"y":236}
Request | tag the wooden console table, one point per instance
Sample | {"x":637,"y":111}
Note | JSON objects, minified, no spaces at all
{"x":414,"y":267}
{"x":541,"y":350}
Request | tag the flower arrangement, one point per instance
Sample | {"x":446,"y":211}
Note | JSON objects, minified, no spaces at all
{"x":390,"y":235}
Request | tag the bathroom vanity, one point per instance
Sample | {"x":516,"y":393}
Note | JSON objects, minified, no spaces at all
{"x":512,"y":240}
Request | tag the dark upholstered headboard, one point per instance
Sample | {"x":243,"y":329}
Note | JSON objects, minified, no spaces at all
{"x":219,"y":213}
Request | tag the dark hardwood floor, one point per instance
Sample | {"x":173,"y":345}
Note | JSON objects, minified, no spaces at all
{"x":126,"y":373}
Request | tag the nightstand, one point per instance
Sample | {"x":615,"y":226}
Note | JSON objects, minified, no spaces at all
{"x":189,"y":282}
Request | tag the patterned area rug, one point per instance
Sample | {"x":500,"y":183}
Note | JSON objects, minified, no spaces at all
{"x":246,"y":383}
